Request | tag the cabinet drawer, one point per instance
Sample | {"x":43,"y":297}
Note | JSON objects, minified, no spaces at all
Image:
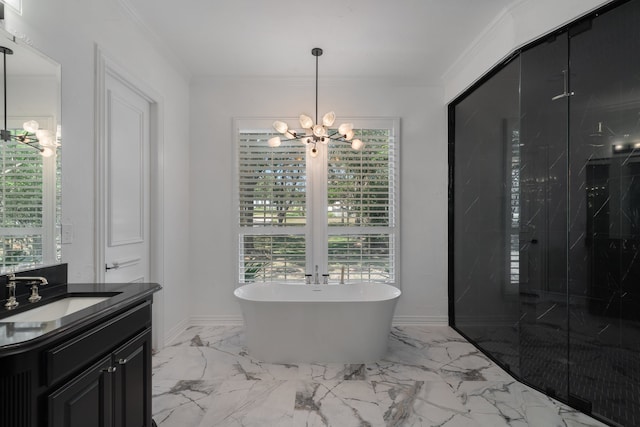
{"x":71,"y":356}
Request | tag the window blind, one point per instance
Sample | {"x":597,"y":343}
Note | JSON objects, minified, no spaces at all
{"x":272,"y":182}
{"x":355,"y":193}
{"x":21,"y":205}
{"x":361,"y":207}
{"x":272,"y":192}
{"x":361,"y":184}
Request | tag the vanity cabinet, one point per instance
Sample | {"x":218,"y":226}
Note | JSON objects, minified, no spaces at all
{"x":111,"y":393}
{"x":95,"y":374}
{"x":85,"y":401}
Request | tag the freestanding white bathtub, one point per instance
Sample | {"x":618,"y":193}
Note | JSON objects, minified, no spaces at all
{"x":317,"y":323}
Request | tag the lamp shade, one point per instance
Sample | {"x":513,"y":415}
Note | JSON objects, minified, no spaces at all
{"x":329,"y":118}
{"x":31,"y":126}
{"x":319,"y":130}
{"x":306,"y":122}
{"x":274,"y":142}
{"x":281,"y":127}
{"x":344,"y":128}
{"x":356,"y":144}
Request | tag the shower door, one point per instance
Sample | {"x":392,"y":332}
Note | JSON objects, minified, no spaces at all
{"x":544,"y":103}
{"x":604,"y":239}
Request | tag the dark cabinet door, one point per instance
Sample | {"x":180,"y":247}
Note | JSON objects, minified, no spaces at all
{"x":132,"y":382}
{"x":86,"y":401}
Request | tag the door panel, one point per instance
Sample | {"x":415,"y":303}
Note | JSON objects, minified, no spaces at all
{"x":127,"y":183}
{"x":86,"y":401}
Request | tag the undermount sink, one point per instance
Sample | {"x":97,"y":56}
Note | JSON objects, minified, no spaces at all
{"x":55,"y":310}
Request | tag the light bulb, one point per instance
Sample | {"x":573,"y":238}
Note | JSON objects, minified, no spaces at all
{"x":329,"y":118}
{"x":306,"y":122}
{"x":349,"y":135}
{"x":31,"y":126}
{"x":274,"y":142}
{"x":319,"y":130}
{"x":356,"y":144}
{"x":344,"y":128}
{"x":45,"y":137}
{"x":281,"y":127}
{"x":314,"y":151}
{"x":46,"y":152}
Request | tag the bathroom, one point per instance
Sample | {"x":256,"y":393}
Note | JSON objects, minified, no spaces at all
{"x":195,"y":248}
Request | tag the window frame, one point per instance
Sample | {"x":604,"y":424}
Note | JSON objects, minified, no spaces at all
{"x":317,"y":251}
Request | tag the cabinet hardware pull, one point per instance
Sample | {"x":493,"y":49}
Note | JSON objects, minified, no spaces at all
{"x":110,"y":369}
{"x":122,"y":361}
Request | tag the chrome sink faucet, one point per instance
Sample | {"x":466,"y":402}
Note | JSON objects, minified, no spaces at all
{"x":33,"y":281}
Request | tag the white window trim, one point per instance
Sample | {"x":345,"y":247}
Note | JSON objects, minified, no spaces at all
{"x":316,"y":192}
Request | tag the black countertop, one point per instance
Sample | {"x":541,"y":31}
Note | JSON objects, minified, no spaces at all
{"x":21,"y":336}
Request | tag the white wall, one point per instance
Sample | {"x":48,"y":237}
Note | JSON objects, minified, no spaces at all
{"x":214,"y":103}
{"x":521,"y":23}
{"x":67,"y":31}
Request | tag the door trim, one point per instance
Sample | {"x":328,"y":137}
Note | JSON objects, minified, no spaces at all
{"x":105,"y":66}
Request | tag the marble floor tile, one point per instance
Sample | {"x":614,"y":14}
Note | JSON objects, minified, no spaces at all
{"x":336,"y":403}
{"x":431,"y":376}
{"x":420,"y":403}
{"x":180,"y":403}
{"x":251,"y":404}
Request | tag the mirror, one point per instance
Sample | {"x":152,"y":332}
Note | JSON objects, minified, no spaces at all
{"x":29,"y":182}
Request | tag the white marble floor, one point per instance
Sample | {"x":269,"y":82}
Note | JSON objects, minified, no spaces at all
{"x":431,"y":376}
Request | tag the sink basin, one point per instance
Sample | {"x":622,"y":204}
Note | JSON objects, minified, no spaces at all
{"x":55,"y":310}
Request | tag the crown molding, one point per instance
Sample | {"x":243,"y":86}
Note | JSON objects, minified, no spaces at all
{"x":154,"y":38}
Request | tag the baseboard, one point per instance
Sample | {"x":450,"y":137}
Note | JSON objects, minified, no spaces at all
{"x":174,"y":332}
{"x":216,"y":320}
{"x":420,"y":320}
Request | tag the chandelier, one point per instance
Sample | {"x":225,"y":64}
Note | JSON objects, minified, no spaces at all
{"x":316,"y":132}
{"x":32,"y":136}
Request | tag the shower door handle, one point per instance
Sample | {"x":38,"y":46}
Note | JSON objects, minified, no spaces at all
{"x":566,"y":93}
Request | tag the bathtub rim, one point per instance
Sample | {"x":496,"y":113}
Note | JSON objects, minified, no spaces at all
{"x":388,"y":292}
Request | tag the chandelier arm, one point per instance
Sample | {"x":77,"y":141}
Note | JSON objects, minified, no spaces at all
{"x":31,"y":144}
{"x":297,"y":138}
{"x":340,"y":139}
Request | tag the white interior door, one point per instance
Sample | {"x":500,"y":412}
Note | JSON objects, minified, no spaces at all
{"x":127,"y":173}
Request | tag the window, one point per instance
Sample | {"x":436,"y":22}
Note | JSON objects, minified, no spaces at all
{"x":29,"y":189}
{"x":337,"y":211}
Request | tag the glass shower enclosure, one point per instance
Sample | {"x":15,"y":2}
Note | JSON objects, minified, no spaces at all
{"x":544,"y":223}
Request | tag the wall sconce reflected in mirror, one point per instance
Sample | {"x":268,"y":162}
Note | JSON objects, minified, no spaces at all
{"x":42,"y":140}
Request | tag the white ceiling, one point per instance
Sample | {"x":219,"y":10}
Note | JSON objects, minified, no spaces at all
{"x":414,"y":41}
